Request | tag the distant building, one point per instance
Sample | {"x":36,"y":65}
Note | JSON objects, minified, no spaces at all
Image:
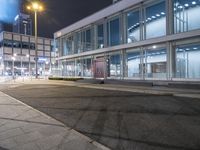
{"x":1,"y":27}
{"x":21,"y":48}
{"x":22,"y":24}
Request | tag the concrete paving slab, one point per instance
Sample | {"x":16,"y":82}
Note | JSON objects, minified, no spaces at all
{"x":24,"y":128}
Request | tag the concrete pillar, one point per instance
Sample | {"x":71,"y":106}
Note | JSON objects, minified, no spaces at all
{"x":171,"y":61}
{"x":169,"y":17}
{"x":142,"y":63}
{"x":122,"y":63}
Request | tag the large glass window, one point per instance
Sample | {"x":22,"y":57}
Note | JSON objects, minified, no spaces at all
{"x":187,"y":61}
{"x":133,"y":60}
{"x":155,"y":62}
{"x":67,"y":45}
{"x":68,"y":68}
{"x":186,"y":15}
{"x":64,"y":46}
{"x":25,"y":45}
{"x":32,"y":45}
{"x":88,"y":40}
{"x":114,"y":65}
{"x":7,"y":43}
{"x":133,"y":27}
{"x":16,"y":44}
{"x":78,"y":67}
{"x":100,"y":36}
{"x":77,"y":45}
{"x":87,"y":67}
{"x":113,"y":32}
{"x":155,"y":20}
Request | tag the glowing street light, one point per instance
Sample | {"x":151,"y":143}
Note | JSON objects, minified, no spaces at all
{"x":36,"y":7}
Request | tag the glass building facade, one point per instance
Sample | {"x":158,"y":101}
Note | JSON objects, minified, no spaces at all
{"x":152,"y":40}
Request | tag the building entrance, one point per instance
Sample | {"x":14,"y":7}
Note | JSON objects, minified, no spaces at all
{"x":99,"y":68}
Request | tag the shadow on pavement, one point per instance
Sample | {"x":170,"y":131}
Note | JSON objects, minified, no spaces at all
{"x":119,"y":120}
{"x":1,"y":148}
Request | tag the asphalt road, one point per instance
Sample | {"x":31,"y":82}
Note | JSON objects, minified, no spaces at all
{"x":119,"y":120}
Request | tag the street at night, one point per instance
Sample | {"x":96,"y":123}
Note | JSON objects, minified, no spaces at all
{"x":99,"y":75}
{"x":118,"y":120}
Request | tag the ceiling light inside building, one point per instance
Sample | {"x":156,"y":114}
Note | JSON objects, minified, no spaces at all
{"x":162,"y":13}
{"x":149,"y":18}
{"x":180,"y":7}
{"x":194,"y":3}
{"x":186,"y":5}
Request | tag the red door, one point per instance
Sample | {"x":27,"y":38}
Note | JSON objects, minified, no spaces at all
{"x":99,"y":68}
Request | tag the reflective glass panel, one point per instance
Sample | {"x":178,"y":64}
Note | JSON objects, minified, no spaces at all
{"x":100,"y":36}
{"x":186,"y":15}
{"x":155,"y":63}
{"x":113,"y":32}
{"x":78,"y":67}
{"x":133,"y":27}
{"x":114,"y":66}
{"x":133,"y":64}
{"x":155,"y":20}
{"x":88,"y":40}
{"x":68,"y":68}
{"x":87,"y":67}
{"x":188,"y":61}
{"x":77,"y":44}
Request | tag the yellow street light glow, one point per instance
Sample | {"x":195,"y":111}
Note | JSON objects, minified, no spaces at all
{"x":29,"y":7}
{"x":40,"y":8}
{"x":35,"y":6}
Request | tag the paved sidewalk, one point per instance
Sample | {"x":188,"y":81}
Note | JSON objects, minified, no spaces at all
{"x":190,"y":93}
{"x":5,"y":79}
{"x":24,"y":128}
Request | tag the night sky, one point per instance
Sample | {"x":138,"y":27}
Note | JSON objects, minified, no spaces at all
{"x":61,"y":13}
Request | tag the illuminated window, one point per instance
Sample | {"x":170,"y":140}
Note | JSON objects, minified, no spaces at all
{"x":187,"y":61}
{"x":133,"y":27}
{"x":185,"y":15}
{"x":155,"y":20}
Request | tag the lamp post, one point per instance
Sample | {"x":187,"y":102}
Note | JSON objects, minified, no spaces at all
{"x":28,"y":56}
{"x":36,"y":7}
{"x":13,"y":61}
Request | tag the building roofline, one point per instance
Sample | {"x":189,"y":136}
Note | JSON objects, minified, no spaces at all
{"x":25,"y":35}
{"x":108,"y":11}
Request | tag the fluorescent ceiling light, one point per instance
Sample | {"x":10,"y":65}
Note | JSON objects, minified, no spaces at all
{"x":180,"y":7}
{"x":186,"y":5}
{"x":162,"y":13}
{"x":194,"y":3}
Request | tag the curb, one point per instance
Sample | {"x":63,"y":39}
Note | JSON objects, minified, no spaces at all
{"x":134,"y":90}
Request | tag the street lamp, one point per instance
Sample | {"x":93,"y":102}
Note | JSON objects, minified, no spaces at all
{"x":36,"y":7}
